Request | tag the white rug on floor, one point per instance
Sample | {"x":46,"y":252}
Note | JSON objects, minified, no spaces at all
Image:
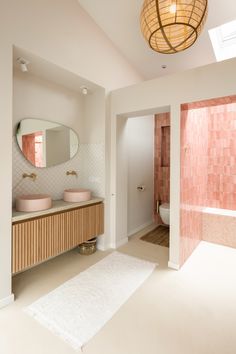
{"x":79,"y":308}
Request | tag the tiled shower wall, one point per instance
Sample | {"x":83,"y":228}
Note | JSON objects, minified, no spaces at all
{"x":208,"y":172}
{"x":193,"y":180}
{"x":161,"y":161}
{"x":89,"y":163}
{"x":221,"y":186}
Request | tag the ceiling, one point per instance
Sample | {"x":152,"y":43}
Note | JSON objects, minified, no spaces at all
{"x":120,"y":21}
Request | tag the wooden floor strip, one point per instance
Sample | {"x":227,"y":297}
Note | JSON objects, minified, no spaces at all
{"x":158,"y":236}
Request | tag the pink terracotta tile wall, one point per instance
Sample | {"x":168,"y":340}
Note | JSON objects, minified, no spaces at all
{"x":193,"y":179}
{"x":221,"y":191}
{"x":165,"y":146}
{"x":161,"y":161}
{"x":209,"y":103}
{"x":208,"y":166}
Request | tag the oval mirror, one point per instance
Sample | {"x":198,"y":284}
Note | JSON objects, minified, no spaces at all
{"x":44,"y":143}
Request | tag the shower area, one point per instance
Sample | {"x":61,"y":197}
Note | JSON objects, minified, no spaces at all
{"x":208,"y":174}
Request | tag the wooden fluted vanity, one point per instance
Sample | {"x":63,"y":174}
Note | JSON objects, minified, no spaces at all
{"x":39,"y":236}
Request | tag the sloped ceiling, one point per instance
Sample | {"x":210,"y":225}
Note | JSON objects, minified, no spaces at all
{"x":120,"y":21}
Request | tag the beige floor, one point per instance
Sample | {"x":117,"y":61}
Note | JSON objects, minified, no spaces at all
{"x":192,"y":311}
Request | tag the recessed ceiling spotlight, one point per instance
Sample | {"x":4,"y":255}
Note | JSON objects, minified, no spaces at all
{"x":164,"y":66}
{"x":23,"y":64}
{"x":84,"y":90}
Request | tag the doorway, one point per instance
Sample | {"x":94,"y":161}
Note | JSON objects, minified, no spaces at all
{"x":119,"y":180}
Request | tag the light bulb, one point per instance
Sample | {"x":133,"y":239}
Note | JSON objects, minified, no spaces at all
{"x":84,"y":90}
{"x":173,"y":8}
{"x":23,"y":64}
{"x":23,"y":67}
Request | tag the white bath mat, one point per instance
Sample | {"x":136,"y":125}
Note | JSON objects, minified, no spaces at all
{"x":79,"y":308}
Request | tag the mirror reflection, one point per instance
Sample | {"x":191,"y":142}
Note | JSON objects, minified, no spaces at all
{"x":44,"y":143}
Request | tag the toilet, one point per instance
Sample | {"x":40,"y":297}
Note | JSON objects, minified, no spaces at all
{"x":164,"y":210}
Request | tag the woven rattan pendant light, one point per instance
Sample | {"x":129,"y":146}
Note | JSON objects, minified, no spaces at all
{"x":171,"y":26}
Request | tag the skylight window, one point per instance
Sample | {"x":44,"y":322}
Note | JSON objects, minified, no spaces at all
{"x":223,"y":39}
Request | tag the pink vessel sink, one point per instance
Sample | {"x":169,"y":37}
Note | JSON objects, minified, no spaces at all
{"x":33,"y":202}
{"x":76,"y":195}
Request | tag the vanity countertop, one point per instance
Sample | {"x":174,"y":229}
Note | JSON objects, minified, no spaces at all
{"x":57,"y":206}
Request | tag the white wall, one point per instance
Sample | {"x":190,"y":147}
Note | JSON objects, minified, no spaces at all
{"x":61,"y":32}
{"x":34,"y":97}
{"x":216,"y":80}
{"x":6,"y":167}
{"x":140,"y":154}
{"x":38,"y":98}
{"x":93,"y":139}
{"x":94,"y":118}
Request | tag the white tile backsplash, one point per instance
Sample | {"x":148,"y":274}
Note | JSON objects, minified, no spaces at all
{"x":89,"y":163}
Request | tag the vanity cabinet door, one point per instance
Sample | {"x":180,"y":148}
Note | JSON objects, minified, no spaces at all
{"x":93,"y":221}
{"x":35,"y":241}
{"x":23,"y":252}
{"x":73,"y":229}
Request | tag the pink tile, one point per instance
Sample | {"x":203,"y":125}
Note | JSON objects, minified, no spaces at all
{"x":208,"y":164}
{"x":161,"y":161}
